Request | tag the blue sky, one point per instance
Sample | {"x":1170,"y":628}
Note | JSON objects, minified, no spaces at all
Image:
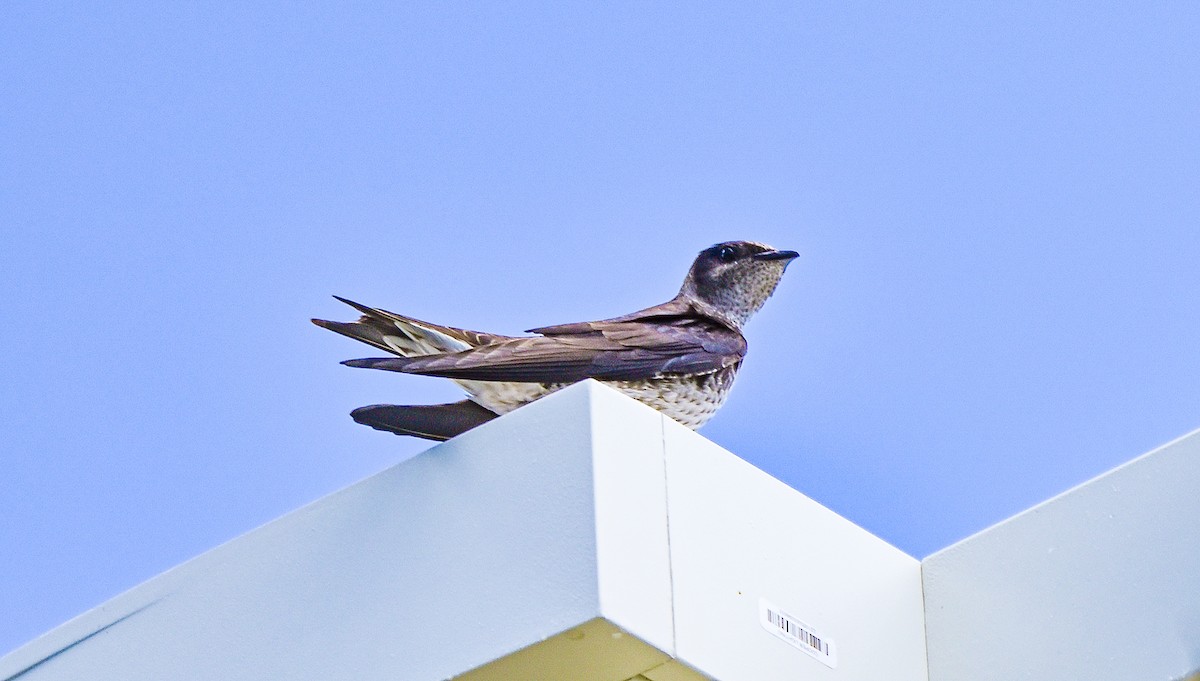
{"x":997,"y":207}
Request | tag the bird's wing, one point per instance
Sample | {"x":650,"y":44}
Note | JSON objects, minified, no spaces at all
{"x":406,"y":336}
{"x":429,"y":421}
{"x":673,"y":310}
{"x":608,"y":351}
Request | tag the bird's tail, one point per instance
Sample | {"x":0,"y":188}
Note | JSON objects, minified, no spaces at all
{"x":405,"y":336}
{"x":431,"y":422}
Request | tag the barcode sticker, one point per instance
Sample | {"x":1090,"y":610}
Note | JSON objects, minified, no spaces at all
{"x":796,"y":632}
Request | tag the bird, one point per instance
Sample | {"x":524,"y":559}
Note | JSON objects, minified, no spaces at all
{"x":679,"y":357}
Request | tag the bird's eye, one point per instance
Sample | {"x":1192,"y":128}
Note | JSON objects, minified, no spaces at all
{"x":726,"y":254}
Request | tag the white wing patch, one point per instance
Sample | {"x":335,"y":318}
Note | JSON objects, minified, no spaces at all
{"x":421,"y":340}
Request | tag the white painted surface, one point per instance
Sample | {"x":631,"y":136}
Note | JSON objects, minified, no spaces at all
{"x":738,"y":535}
{"x":587,"y":517}
{"x":464,"y":554}
{"x":631,"y":517}
{"x":1100,"y":583}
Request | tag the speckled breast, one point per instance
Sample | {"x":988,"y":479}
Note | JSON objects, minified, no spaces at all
{"x":691,"y":400}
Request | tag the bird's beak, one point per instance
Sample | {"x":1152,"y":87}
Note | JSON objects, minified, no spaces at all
{"x":776,"y":255}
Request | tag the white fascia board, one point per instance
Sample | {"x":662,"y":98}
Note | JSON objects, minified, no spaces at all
{"x":741,"y":539}
{"x":630,"y":496}
{"x":588,"y":537}
{"x":464,"y":554}
{"x":584,"y":530}
{"x":734,"y":539}
{"x":1101,"y":582}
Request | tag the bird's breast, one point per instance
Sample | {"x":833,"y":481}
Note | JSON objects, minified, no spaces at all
{"x":691,"y":400}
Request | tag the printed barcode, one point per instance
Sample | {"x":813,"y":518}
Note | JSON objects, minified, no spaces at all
{"x":795,"y":632}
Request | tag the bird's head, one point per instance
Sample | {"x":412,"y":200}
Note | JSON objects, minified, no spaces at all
{"x":732,"y":280}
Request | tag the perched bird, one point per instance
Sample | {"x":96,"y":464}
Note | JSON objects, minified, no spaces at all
{"x":679,"y":357}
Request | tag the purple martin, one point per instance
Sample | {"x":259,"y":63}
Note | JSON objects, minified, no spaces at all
{"x":679,"y":357}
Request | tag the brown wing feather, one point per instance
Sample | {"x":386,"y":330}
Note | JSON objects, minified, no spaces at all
{"x":376,"y":325}
{"x":608,"y":350}
{"x":465,"y":335}
{"x":671,"y":310}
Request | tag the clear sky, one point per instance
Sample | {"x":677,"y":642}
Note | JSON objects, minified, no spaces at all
{"x":997,"y":207}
